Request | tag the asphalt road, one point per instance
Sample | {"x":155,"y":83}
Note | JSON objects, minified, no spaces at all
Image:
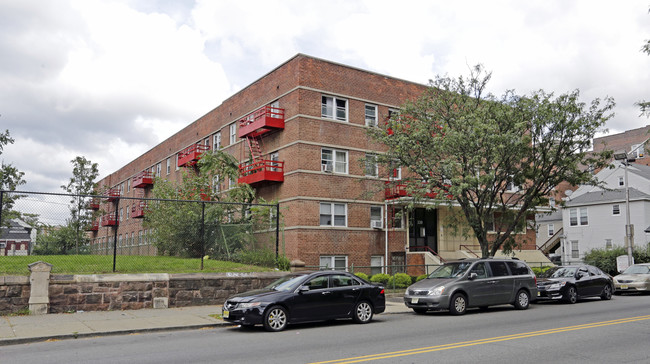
{"x":592,"y":331}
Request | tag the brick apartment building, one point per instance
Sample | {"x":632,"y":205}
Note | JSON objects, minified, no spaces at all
{"x":335,"y":209}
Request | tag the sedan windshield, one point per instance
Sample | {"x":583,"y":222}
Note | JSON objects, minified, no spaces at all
{"x":560,"y":272}
{"x":286,"y":283}
{"x":451,"y":270}
{"x":637,"y":269}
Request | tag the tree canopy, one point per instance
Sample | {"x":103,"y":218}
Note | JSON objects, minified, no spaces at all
{"x":10,"y":179}
{"x":81,"y":184}
{"x":494,"y":159}
{"x":645,"y":105}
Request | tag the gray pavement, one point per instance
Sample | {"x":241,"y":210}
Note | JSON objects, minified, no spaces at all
{"x":25,"y":329}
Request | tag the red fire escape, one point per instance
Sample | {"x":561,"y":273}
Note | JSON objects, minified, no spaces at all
{"x":253,"y":127}
{"x":143,"y":179}
{"x":190,"y":155}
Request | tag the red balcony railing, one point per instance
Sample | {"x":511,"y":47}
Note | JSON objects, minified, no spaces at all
{"x":113,"y":193}
{"x":93,"y":204}
{"x":143,"y":179}
{"x":261,"y":171}
{"x":190,"y":155}
{"x":261,"y":121}
{"x":137,"y":210}
{"x":109,"y":220}
{"x":94,"y":226}
{"x":399,"y":190}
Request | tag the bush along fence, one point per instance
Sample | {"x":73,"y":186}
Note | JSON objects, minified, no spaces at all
{"x":105,"y":228}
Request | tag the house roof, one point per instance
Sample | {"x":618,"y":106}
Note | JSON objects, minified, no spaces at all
{"x":553,"y":216}
{"x":606,"y":196}
{"x":16,"y":231}
{"x":640,"y":170}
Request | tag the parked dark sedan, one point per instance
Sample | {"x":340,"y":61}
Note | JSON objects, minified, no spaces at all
{"x":305,"y":297}
{"x":569,"y":283}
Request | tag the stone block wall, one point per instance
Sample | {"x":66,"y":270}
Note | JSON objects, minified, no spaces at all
{"x":105,"y":292}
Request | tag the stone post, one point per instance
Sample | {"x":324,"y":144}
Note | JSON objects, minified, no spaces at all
{"x":39,"y":280}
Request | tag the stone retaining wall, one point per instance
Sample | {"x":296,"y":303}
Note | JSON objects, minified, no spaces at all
{"x":102,"y":292}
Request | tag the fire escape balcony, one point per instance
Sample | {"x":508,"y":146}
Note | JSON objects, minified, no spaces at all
{"x":261,"y":121}
{"x":94,"y":226}
{"x":143,"y":179}
{"x":93,"y":204}
{"x":261,"y":171}
{"x":137,"y":210}
{"x":109,"y":220}
{"x":393,"y":191}
{"x":113,"y":193}
{"x":190,"y":155}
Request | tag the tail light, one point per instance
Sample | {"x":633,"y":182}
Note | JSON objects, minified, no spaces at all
{"x":382,"y":291}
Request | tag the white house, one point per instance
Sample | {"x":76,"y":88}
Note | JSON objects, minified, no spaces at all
{"x":595,"y":217}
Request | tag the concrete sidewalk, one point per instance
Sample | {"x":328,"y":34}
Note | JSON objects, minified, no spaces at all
{"x":25,"y":329}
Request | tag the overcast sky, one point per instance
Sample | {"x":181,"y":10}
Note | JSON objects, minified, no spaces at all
{"x":108,"y":80}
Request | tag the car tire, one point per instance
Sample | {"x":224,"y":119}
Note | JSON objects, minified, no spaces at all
{"x":571,"y":295}
{"x":607,"y":292}
{"x":275,"y":318}
{"x":362,"y":312}
{"x":420,"y":311}
{"x":522,"y":300}
{"x":458,"y":304}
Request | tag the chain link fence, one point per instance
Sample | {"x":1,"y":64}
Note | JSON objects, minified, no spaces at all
{"x":109,"y":233}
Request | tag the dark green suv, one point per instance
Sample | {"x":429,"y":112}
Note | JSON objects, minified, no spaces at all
{"x":458,"y":285}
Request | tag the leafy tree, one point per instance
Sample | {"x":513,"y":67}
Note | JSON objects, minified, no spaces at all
{"x":81,"y":184}
{"x":473,"y":149}
{"x":54,"y":240}
{"x":645,"y":105}
{"x":10,"y":179}
{"x":227,"y":226}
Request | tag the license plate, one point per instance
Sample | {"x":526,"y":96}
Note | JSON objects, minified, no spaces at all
{"x":538,"y":294}
{"x":414,"y":300}
{"x":225,"y":314}
{"x":623,"y":286}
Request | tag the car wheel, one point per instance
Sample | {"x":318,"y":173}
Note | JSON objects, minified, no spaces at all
{"x":362,"y":312}
{"x":458,"y":304}
{"x":522,"y":301}
{"x":607,"y":292}
{"x":571,"y":295}
{"x":420,"y":311}
{"x":275,"y":318}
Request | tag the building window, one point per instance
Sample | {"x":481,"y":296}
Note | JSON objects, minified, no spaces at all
{"x":621,"y":181}
{"x":216,"y":142}
{"x":608,"y":244}
{"x":334,"y":108}
{"x":371,"y":115}
{"x":371,"y":165}
{"x":376,"y":220}
{"x":206,"y":142}
{"x":177,"y":167}
{"x":274,"y":157}
{"x":397,"y":218}
{"x":376,"y":264}
{"x":169,"y":165}
{"x":158,"y":169}
{"x":336,"y":262}
{"x":551,"y":201}
{"x":333,"y":160}
{"x":573,"y":216}
{"x":616,"y":210}
{"x":233,"y":133}
{"x":636,"y":151}
{"x":392,"y":113}
{"x":333,"y":214}
{"x":216,"y":184}
{"x":128,"y":185}
{"x":127,"y":212}
{"x":551,"y":229}
{"x":575,"y":251}
{"x":511,"y":186}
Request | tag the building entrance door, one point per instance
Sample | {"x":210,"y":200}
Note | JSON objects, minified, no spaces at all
{"x":423,"y":230}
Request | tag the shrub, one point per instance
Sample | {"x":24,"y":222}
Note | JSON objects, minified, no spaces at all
{"x":540,"y":270}
{"x":362,"y":275}
{"x":282,"y":263}
{"x":399,"y":280}
{"x":261,"y":257}
{"x":419,"y":278}
{"x":380,"y":278}
{"x":606,"y":259}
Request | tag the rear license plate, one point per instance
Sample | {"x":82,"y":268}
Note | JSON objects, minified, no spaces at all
{"x":225,"y":314}
{"x":539,"y":293}
{"x":623,"y":286}
{"x":415,"y":300}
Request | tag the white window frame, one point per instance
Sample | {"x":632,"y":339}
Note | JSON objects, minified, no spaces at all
{"x":576,"y":216}
{"x":159,"y":169}
{"x":551,"y":230}
{"x":233,"y":133}
{"x":551,"y":201}
{"x":332,"y":215}
{"x":216,"y":140}
{"x":575,"y":249}
{"x":616,"y":209}
{"x":333,"y":108}
{"x":337,"y":166}
{"x":169,"y":166}
{"x":332,"y":261}
{"x":371,"y":165}
{"x":636,"y":151}
{"x":206,"y":142}
{"x":621,"y":181}
{"x":374,"y":265}
{"x":381,"y":215}
{"x":371,"y":119}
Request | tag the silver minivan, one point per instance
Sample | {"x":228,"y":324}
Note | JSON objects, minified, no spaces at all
{"x":458,"y":285}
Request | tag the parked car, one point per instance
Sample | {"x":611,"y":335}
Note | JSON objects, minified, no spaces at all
{"x":634,"y":278}
{"x":458,"y":285}
{"x":305,"y":297}
{"x":569,"y":283}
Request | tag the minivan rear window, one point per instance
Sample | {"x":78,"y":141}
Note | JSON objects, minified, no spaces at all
{"x":518,"y":268}
{"x":499,"y":269}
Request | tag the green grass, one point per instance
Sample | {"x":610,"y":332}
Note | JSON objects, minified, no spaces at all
{"x":98,"y":264}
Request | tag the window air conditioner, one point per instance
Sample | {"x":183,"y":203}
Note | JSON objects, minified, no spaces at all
{"x":376,"y":224}
{"x":327,"y":167}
